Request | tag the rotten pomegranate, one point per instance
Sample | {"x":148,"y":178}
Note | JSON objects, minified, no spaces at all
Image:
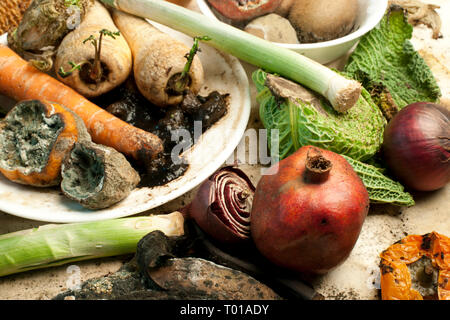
{"x":308,"y":211}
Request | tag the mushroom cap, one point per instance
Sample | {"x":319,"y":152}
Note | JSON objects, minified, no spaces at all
{"x":322,"y":20}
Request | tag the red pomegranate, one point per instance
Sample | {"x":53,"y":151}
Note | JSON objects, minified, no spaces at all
{"x":307,"y":213}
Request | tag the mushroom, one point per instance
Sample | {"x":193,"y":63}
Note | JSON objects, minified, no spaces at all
{"x":274,"y":28}
{"x":323,"y":20}
{"x":284,"y":7}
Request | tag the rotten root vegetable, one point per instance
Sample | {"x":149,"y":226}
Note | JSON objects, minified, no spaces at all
{"x":308,"y":211}
{"x":158,"y":60}
{"x":43,"y":26}
{"x":35,"y":137}
{"x":97,"y":176}
{"x":98,"y":57}
{"x":20,"y":81}
{"x":416,"y":146}
{"x":161,"y":260}
{"x":196,"y":276}
{"x":222,"y":206}
{"x":44,"y":144}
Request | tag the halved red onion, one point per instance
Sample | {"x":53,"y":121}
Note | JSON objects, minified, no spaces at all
{"x":222,"y":205}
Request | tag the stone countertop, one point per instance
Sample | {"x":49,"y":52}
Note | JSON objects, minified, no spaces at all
{"x":356,"y":278}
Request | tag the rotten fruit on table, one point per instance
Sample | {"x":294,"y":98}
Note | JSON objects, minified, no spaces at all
{"x":308,"y":211}
{"x":416,"y":268}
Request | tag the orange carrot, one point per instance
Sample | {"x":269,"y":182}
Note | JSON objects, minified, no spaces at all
{"x":21,"y":81}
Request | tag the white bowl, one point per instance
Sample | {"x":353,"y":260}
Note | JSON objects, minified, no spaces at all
{"x":370,"y":14}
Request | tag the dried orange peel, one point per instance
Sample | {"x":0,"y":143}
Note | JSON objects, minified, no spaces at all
{"x":396,"y":283}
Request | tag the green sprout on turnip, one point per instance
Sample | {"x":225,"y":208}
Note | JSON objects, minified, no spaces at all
{"x":180,"y":82}
{"x":95,"y":67}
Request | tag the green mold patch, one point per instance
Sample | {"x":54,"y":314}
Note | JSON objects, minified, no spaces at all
{"x":97,"y":176}
{"x":27,"y":137}
{"x":84,"y":177}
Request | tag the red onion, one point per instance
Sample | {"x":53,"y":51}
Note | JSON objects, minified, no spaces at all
{"x":222,"y":205}
{"x":417,"y":146}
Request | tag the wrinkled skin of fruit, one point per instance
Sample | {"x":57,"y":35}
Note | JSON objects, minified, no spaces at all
{"x":308,"y":227}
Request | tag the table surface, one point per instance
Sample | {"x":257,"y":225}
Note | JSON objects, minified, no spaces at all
{"x":356,"y":278}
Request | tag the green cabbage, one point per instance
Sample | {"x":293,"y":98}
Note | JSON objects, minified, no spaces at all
{"x":381,"y":189}
{"x":357,"y":133}
{"x":387,"y":65}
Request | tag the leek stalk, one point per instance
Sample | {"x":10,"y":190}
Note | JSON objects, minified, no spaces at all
{"x":341,"y":92}
{"x":54,"y":245}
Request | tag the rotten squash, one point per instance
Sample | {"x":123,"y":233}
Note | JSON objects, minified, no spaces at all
{"x":35,"y":137}
{"x":400,"y":280}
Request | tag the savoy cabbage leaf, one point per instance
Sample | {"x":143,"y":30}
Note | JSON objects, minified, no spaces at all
{"x":357,"y":133}
{"x":388,"y":66}
{"x":381,"y":188}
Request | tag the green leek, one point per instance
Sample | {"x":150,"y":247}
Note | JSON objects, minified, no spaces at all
{"x":342,"y":93}
{"x":53,"y":245}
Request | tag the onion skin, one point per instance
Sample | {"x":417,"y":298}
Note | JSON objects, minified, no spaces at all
{"x":417,"y":146}
{"x":207,"y":207}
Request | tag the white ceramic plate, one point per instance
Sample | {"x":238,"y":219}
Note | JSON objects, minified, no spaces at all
{"x":223,"y":73}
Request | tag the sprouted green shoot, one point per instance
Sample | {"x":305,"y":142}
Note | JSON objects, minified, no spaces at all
{"x":95,"y":67}
{"x":181,"y":80}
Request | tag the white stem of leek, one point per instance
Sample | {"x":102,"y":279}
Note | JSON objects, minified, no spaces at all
{"x":341,"y":92}
{"x":54,"y":245}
